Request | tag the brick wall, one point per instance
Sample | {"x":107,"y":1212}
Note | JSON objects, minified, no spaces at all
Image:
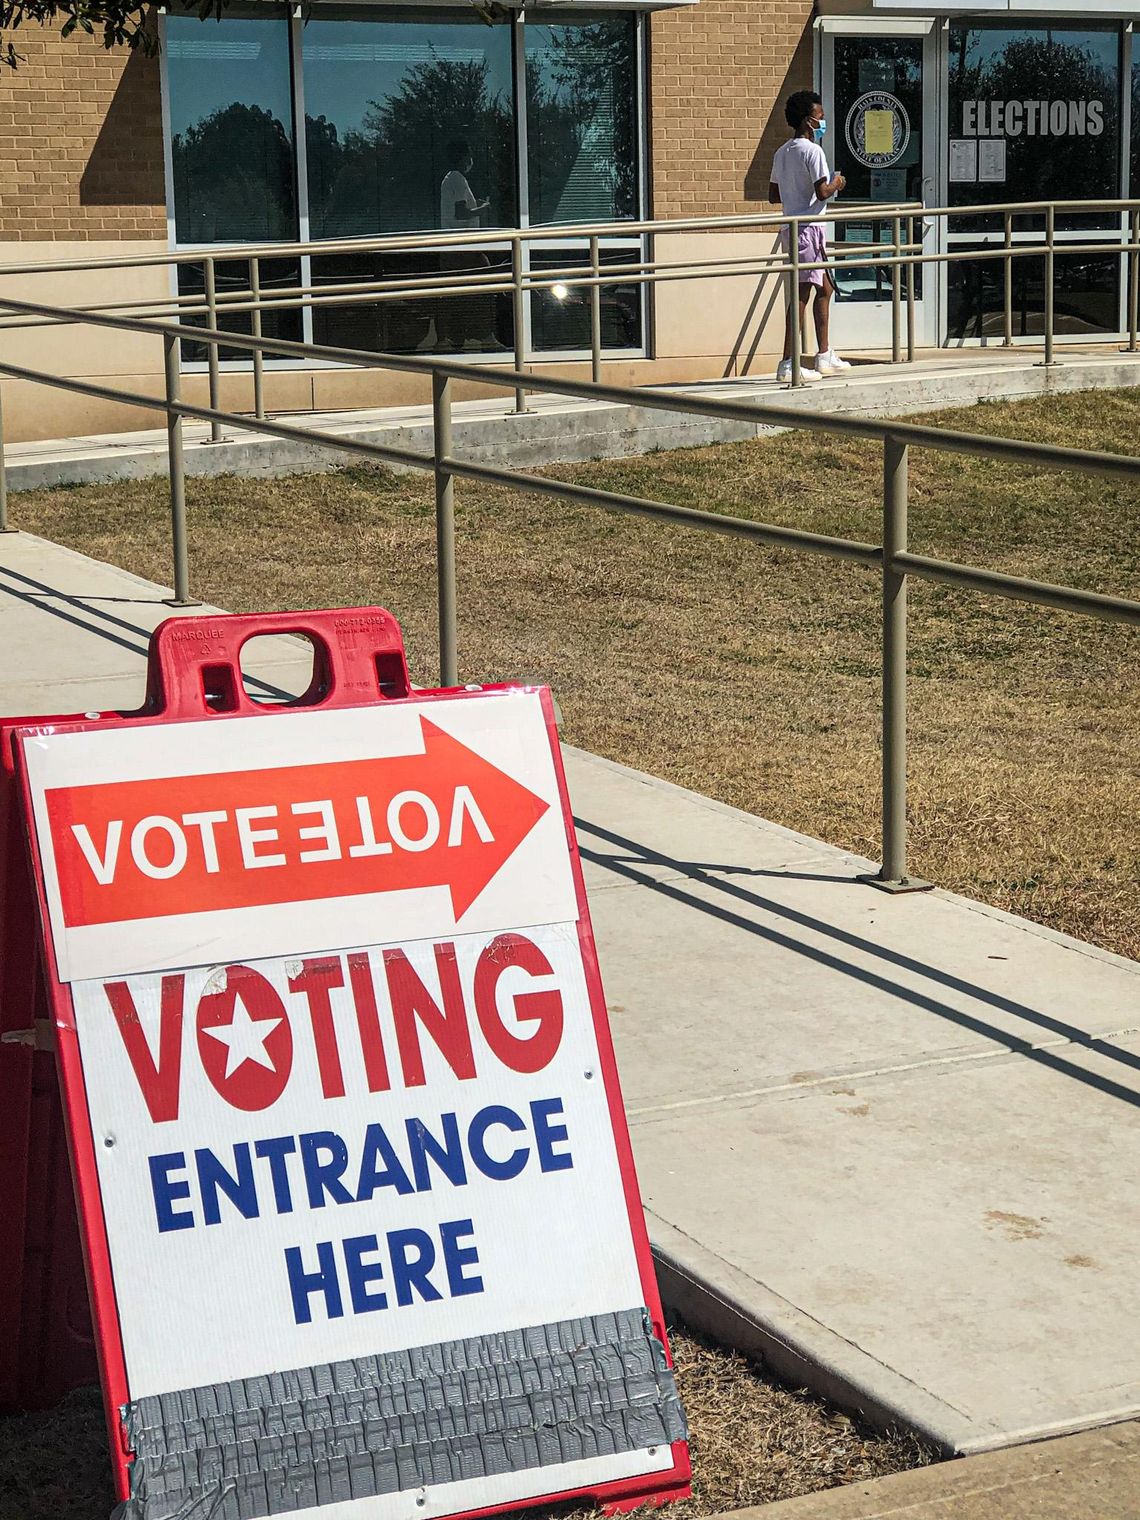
{"x":719,"y":73}
{"x":80,"y":142}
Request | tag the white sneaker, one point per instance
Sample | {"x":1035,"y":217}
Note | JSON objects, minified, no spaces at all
{"x":830,"y":363}
{"x":784,"y":373}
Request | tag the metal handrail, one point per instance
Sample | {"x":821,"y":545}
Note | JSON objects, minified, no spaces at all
{"x":896,"y":260}
{"x":892,"y":557}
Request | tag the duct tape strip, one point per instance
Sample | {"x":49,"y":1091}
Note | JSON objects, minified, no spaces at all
{"x":395,"y":1421}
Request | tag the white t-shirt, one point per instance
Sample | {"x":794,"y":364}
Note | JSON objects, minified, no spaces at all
{"x":455,"y":190}
{"x":797,"y":168}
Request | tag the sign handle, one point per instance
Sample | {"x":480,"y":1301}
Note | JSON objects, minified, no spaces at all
{"x":194,"y":666}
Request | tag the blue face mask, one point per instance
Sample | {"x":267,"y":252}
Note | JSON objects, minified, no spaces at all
{"x":819,"y":130}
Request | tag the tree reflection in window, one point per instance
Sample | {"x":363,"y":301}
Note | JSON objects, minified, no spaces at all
{"x":995,"y":63}
{"x":384,"y":98}
{"x":582,"y":120}
{"x":231,"y":130}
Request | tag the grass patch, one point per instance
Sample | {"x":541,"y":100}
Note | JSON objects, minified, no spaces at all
{"x":744,"y":672}
{"x":752,"y":674}
{"x":752,"y":1441}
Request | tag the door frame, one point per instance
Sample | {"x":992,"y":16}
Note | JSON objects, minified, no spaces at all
{"x":929,"y":329}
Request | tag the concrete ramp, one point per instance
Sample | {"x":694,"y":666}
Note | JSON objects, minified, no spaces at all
{"x":892,"y":1143}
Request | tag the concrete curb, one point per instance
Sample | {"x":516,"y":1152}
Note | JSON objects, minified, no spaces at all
{"x":1089,"y":1476}
{"x":559,"y":431}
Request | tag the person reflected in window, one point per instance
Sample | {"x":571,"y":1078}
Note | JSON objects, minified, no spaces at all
{"x":464,"y":322}
{"x":458,"y":209}
{"x":801,"y":182}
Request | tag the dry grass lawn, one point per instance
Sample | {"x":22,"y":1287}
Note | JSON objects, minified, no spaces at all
{"x":752,"y":674}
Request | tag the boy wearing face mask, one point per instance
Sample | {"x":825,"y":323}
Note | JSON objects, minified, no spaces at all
{"x":802,"y":182}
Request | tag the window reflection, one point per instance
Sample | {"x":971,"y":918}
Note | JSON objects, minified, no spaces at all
{"x":472,"y":322}
{"x":1086,"y":294}
{"x":560,"y":318}
{"x":581,"y":82}
{"x":231,"y":277}
{"x":388,"y":99}
{"x":1040,"y":105}
{"x":231,"y":118}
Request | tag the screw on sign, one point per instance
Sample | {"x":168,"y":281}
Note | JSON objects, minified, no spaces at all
{"x":362,"y":1225}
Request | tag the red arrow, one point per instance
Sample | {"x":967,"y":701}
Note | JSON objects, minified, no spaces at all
{"x":191,"y":844}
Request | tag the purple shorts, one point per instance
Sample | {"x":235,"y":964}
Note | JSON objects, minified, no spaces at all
{"x":813,"y":250}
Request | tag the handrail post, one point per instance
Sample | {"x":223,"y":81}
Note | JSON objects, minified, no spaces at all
{"x":4,"y":528}
{"x":1049,"y":263}
{"x":255,"y":328}
{"x":794,"y":298}
{"x":444,"y":529}
{"x":177,"y":472}
{"x":518,"y":307}
{"x":1007,"y":284}
{"x":910,"y":290}
{"x":595,"y":313}
{"x":212,"y":349}
{"x":894,"y":662}
{"x":896,"y":294}
{"x":1133,"y":278}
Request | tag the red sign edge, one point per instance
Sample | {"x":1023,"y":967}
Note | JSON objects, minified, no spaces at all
{"x":616,"y":1496}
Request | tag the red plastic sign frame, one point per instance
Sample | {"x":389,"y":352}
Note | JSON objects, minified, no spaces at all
{"x":194,"y":674}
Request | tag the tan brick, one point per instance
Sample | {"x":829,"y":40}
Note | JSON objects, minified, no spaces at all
{"x":719,"y":73}
{"x":80,"y":141}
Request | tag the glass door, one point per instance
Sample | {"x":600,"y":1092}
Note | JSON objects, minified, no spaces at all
{"x":878,"y":86}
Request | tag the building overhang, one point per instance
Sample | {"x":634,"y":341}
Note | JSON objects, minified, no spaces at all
{"x":490,"y":6}
{"x":1026,"y":8}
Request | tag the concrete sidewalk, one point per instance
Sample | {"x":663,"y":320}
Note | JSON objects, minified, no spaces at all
{"x":890,"y":1143}
{"x":1092,"y":1476}
{"x":558,"y":428}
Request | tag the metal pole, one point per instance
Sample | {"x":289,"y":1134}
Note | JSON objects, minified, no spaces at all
{"x":518,"y":306}
{"x":910,"y":295}
{"x":212,"y":350}
{"x":794,"y":308}
{"x":595,"y":314}
{"x":4,"y":528}
{"x":1049,"y":221}
{"x":177,"y":473}
{"x":896,"y":295}
{"x":255,"y":328}
{"x":444,"y":529}
{"x":1133,"y":279}
{"x":1007,"y":282}
{"x":894,"y":662}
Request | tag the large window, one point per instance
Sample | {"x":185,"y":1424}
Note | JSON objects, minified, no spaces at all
{"x":231,"y":129}
{"x":1034,"y":115}
{"x":1034,"y":112}
{"x":413,"y":122}
{"x":393,"y":105}
{"x":581,"y":114}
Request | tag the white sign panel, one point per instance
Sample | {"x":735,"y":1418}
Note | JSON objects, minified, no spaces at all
{"x":991,"y":160}
{"x":963,"y":160}
{"x":353,"y":1162}
{"x":199,"y":840}
{"x":309,"y":1152}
